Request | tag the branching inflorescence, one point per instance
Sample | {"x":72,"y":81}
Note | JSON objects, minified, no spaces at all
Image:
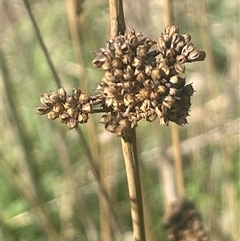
{"x":139,"y":82}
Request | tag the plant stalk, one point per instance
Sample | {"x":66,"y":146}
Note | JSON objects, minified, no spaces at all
{"x":134,"y":185}
{"x":118,"y":26}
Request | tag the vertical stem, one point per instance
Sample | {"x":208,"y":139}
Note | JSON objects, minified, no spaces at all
{"x":118,"y":26}
{"x":117,"y":21}
{"x":134,"y":186}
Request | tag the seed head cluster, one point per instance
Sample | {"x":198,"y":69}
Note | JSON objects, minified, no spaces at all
{"x":184,"y":223}
{"x":142,"y":80}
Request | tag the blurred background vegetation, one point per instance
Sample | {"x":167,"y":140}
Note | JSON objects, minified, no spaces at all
{"x":48,"y":191}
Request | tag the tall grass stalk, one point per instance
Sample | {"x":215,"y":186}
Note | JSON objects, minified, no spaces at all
{"x":117,"y":24}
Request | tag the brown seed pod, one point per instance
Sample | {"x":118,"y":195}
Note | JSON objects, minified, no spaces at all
{"x":127,"y":59}
{"x":156,"y":74}
{"x":181,"y":58}
{"x":45,"y":100}
{"x":58,"y":108}
{"x":188,"y":48}
{"x":105,"y":119}
{"x":52,"y":115}
{"x":76,"y":93}
{"x":84,"y":98}
{"x":62,"y":94}
{"x":72,"y":112}
{"x":173,"y":29}
{"x":187,"y":37}
{"x":64,"y":117}
{"x":42,"y":110}
{"x":72,"y":123}
{"x":117,"y":63}
{"x":179,"y":67}
{"x":161,"y":89}
{"x":128,"y":99}
{"x":193,"y":55}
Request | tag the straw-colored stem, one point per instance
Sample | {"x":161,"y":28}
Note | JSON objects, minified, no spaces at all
{"x":117,"y":24}
{"x":41,"y":42}
{"x":134,"y":186}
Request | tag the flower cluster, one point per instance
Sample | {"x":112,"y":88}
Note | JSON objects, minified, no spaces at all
{"x":142,"y":80}
{"x":70,"y":110}
{"x":183,"y":222}
{"x":142,"y":83}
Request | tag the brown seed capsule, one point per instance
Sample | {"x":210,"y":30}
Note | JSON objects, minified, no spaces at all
{"x":111,"y":126}
{"x":128,"y":73}
{"x":128,"y":99}
{"x":169,"y":101}
{"x":117,"y":63}
{"x":148,"y":84}
{"x":82,"y":118}
{"x":76,"y":93}
{"x":142,"y":50}
{"x":173,"y":91}
{"x":109,"y":76}
{"x":141,"y":76}
{"x":193,"y":55}
{"x":161,"y":89}
{"x":156,"y":74}
{"x":153,"y":95}
{"x":72,"y":123}
{"x":159,"y":112}
{"x":52,"y":115}
{"x":137,"y":62}
{"x":202,"y":56}
{"x":179,"y":67}
{"x":162,"y":45}
{"x":173,"y":29}
{"x":105,"y":119}
{"x":42,"y":110}
{"x":54,"y":97}
{"x":118,"y":73}
{"x":187,"y":38}
{"x":163,"y":121}
{"x":188,"y":48}
{"x":106,"y":65}
{"x":179,"y":46}
{"x":45,"y":100}
{"x":174,"y":79}
{"x":62,"y":94}
{"x":72,"y":112}
{"x":176,"y":38}
{"x":58,"y":108}
{"x":84,"y":98}
{"x":64,"y":116}
{"x":127,"y":59}
{"x":181,"y":58}
{"x":87,"y":108}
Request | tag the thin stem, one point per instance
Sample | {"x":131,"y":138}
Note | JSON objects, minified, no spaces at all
{"x":129,"y":142}
{"x":43,"y":46}
{"x":117,"y":21}
{"x":134,"y":186}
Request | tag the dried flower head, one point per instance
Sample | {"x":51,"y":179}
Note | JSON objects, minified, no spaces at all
{"x":184,"y":222}
{"x":139,"y":82}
